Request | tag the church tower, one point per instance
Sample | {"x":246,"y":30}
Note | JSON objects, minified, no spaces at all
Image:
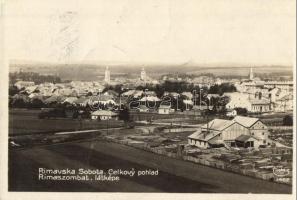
{"x":143,"y":75}
{"x":107,"y":75}
{"x":251,"y":76}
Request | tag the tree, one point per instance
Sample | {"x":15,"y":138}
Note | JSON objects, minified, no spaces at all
{"x":125,"y":116}
{"x":19,"y":103}
{"x":13,"y":90}
{"x":221,"y":89}
{"x":159,"y":90}
{"x":288,"y":120}
{"x":214,"y":89}
{"x":223,"y":101}
{"x":178,"y":103}
{"x":36,"y":103}
{"x":89,"y":94}
{"x":32,"y":76}
{"x":241,"y":111}
{"x":175,"y":86}
{"x":219,"y":102}
{"x":117,"y":88}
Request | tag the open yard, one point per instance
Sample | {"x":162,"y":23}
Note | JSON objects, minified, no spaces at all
{"x":174,"y":175}
{"x":27,"y":122}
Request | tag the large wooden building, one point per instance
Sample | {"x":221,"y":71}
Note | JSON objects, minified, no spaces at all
{"x":220,"y":132}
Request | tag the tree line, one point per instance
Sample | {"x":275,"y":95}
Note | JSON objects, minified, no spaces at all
{"x":34,"y":77}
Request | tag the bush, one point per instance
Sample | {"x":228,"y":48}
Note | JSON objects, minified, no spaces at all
{"x":18,"y":103}
{"x":36,"y":103}
{"x":241,"y":111}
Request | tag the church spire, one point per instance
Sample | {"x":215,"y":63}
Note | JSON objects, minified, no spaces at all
{"x":251,"y":76}
{"x":107,"y":75}
{"x":143,"y":74}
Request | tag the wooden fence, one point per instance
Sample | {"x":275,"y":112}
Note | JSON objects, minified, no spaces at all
{"x":211,"y":163}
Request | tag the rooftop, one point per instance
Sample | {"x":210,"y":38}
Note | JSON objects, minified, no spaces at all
{"x":245,"y":121}
{"x":218,"y":124}
{"x":203,"y":136}
{"x":104,"y":113}
{"x":243,"y":138}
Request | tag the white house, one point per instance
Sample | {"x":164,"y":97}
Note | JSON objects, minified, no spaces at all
{"x":82,"y":101}
{"x":259,"y":106}
{"x":173,"y":94}
{"x":24,"y":84}
{"x":164,"y":109}
{"x":150,"y":99}
{"x":188,"y":103}
{"x":104,"y":115}
{"x":282,"y":101}
{"x":284,"y":104}
{"x":237,"y":100}
{"x":188,"y":95}
{"x":248,"y":101}
{"x":133,"y":93}
{"x":103,"y":99}
{"x":283,"y":85}
{"x":143,"y":108}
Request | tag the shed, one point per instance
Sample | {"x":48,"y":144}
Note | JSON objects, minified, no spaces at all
{"x":245,"y":141}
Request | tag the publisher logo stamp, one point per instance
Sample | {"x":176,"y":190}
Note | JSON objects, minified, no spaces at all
{"x":281,"y":174}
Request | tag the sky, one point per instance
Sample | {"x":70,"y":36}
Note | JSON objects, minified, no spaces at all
{"x":248,"y":32}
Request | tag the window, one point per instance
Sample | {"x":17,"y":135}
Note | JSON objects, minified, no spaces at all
{"x":263,"y":133}
{"x":253,"y":134}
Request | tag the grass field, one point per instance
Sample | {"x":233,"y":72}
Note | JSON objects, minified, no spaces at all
{"x":22,"y":121}
{"x":27,"y":122}
{"x":175,"y":175}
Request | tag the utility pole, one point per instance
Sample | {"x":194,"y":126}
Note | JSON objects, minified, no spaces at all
{"x":80,"y":123}
{"x":177,"y":103}
{"x":200,"y":97}
{"x":145,"y":90}
{"x":107,"y":126}
{"x":194,"y":91}
{"x":120,"y":103}
{"x":206,"y":125}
